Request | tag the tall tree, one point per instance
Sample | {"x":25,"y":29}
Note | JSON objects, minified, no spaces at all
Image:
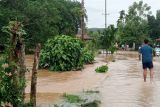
{"x":108,"y":37}
{"x":133,"y":28}
{"x":154,"y":26}
{"x":42,"y":19}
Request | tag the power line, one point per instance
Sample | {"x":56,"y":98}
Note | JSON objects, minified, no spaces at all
{"x":82,"y":20}
{"x":105,"y":13}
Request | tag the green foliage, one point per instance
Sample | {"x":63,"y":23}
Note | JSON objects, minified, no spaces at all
{"x":62,"y":53}
{"x":8,"y":29}
{"x":12,"y":85}
{"x":7,"y":92}
{"x":154,"y":25}
{"x":94,"y":43}
{"x":72,"y":98}
{"x":41,"y":18}
{"x":133,"y":26}
{"x":88,"y":56}
{"x":102,"y":69}
{"x":112,"y":49}
{"x":108,"y":37}
{"x":85,"y":99}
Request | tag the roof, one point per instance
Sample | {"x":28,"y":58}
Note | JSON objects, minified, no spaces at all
{"x":86,"y":37}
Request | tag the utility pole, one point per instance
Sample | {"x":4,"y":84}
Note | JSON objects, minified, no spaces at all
{"x":105,"y":13}
{"x":105,"y":19}
{"x":82,"y":20}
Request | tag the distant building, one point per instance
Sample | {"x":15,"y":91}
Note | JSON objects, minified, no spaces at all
{"x":86,"y":36}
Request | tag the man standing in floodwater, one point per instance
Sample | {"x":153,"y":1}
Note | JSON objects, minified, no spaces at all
{"x":147,"y":58}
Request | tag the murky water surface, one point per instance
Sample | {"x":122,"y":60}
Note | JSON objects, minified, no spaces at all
{"x":125,"y":87}
{"x":66,"y":82}
{"x":122,"y":86}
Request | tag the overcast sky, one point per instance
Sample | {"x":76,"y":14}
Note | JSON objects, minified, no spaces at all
{"x":95,"y":10}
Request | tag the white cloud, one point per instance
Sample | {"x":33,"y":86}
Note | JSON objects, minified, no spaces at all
{"x":95,"y":10}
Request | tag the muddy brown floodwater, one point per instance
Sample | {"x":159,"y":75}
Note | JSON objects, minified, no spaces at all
{"x":51,"y":85}
{"x":122,"y":86}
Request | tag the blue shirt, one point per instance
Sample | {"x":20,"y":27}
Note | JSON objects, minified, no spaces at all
{"x":146,"y":52}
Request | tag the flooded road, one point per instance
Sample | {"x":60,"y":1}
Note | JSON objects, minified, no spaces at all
{"x":124,"y":86}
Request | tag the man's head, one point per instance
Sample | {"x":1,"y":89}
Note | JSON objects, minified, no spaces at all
{"x":146,"y":41}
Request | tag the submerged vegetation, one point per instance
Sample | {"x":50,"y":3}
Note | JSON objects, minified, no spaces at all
{"x":72,"y":98}
{"x":102,"y":69}
{"x":84,"y":99}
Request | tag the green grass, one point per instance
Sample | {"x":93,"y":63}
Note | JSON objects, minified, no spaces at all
{"x":72,"y":98}
{"x":102,"y":69}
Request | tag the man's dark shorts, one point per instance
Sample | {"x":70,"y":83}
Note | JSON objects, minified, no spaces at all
{"x":147,"y":65}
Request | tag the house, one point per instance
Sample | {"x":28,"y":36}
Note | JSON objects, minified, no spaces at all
{"x":86,"y":37}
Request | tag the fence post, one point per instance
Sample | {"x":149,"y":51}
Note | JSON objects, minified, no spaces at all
{"x":34,"y":76}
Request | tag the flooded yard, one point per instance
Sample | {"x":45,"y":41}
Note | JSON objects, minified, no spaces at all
{"x":122,"y":86}
{"x":125,"y":87}
{"x":51,"y":85}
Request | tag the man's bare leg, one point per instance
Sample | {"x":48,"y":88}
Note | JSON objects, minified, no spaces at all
{"x":151,"y":74}
{"x":145,"y":74}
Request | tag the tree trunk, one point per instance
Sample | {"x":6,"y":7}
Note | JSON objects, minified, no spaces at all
{"x":34,"y":76}
{"x":16,"y":57}
{"x":13,"y":59}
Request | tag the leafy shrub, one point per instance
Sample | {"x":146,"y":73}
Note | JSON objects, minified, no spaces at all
{"x":88,"y":56}
{"x":102,"y":69}
{"x":7,"y":92}
{"x":112,"y":49}
{"x":83,"y":99}
{"x":62,"y":53}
